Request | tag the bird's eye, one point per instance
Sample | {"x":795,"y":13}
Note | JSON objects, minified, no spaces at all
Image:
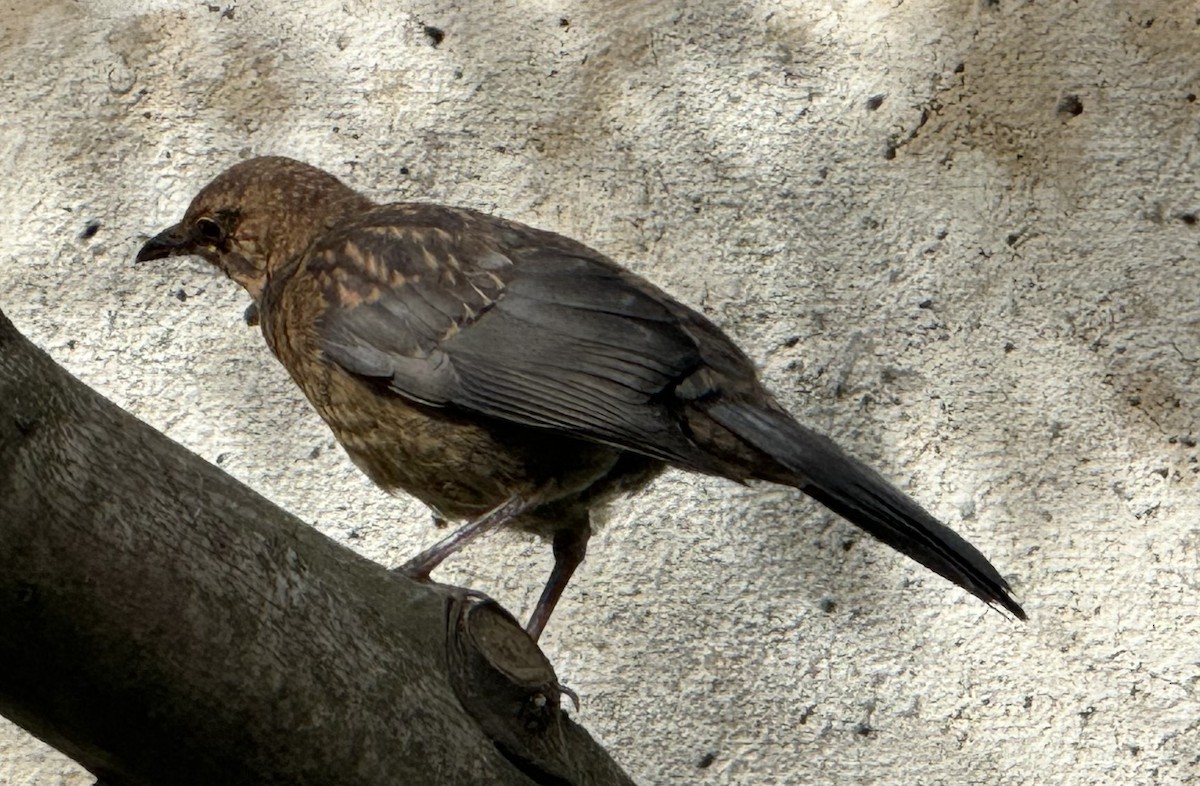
{"x":210,"y":230}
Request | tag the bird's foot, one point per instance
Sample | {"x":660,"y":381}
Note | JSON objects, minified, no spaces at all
{"x":572,"y":695}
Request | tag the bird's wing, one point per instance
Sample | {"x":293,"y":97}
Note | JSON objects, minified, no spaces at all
{"x":458,"y":309}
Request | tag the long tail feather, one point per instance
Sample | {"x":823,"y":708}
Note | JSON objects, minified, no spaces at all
{"x":817,"y":466}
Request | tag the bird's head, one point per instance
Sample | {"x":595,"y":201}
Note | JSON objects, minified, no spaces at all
{"x":255,"y":217}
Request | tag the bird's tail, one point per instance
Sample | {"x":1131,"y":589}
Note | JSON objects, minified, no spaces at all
{"x":814,"y":464}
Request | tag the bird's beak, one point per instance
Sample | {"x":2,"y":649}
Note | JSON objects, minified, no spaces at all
{"x":172,"y":240}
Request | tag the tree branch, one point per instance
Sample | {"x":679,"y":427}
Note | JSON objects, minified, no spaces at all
{"x":162,"y":624}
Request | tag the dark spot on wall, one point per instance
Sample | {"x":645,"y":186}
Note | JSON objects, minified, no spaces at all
{"x":435,"y":35}
{"x":1070,"y":105}
{"x":89,"y":230}
{"x":874,"y":102}
{"x":706,"y":760}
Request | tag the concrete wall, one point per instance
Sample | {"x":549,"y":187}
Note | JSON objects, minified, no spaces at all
{"x":962,"y":237}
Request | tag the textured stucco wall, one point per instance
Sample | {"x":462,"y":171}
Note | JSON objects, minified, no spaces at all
{"x":991,"y":294}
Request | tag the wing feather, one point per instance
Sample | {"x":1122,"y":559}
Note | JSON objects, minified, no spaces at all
{"x":511,"y":323}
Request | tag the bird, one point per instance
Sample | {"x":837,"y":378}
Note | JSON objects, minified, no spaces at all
{"x":506,"y":375}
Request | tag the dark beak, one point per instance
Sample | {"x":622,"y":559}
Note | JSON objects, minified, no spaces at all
{"x":169,"y":242}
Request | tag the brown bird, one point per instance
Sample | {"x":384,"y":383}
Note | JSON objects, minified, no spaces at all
{"x":512,"y":376}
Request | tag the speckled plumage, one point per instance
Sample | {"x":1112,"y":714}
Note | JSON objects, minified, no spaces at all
{"x":472,"y":361}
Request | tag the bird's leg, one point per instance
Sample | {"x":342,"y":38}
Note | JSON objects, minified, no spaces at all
{"x":420,"y":566}
{"x":570,"y":547}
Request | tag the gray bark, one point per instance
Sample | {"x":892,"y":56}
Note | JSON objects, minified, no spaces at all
{"x":162,"y":624}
